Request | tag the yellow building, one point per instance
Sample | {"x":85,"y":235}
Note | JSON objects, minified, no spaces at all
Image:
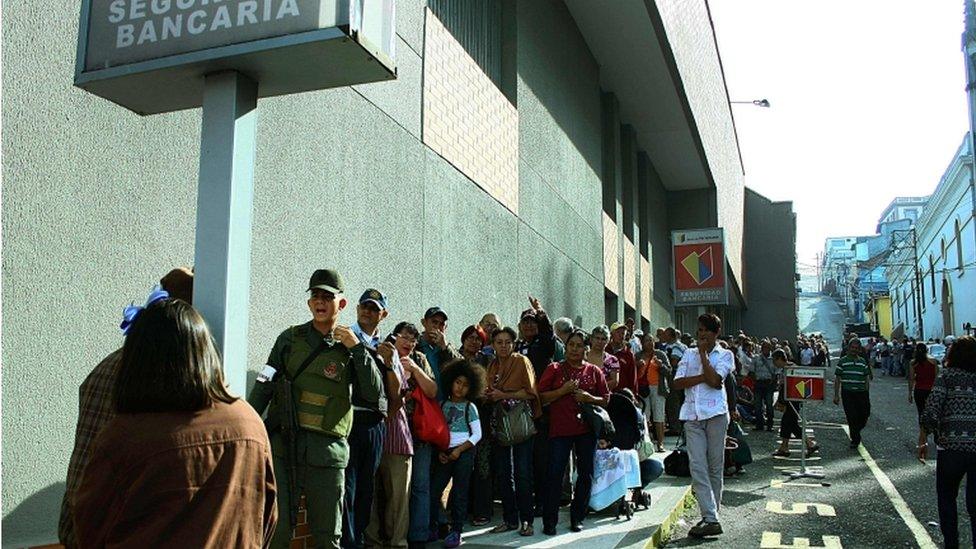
{"x":881,"y":315}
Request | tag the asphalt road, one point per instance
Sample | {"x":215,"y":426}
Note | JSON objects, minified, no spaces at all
{"x":855,"y":508}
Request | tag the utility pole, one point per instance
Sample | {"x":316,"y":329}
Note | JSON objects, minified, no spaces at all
{"x":912,"y":241}
{"x":918,"y":281}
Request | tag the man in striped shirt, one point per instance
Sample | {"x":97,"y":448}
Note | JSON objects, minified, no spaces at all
{"x":851,"y":381}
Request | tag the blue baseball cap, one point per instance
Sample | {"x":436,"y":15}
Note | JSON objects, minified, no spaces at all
{"x":374,"y":296}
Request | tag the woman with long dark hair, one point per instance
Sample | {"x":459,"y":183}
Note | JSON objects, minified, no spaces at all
{"x":184,"y":463}
{"x":949,"y":414}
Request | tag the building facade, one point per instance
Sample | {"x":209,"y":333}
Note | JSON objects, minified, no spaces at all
{"x":770,"y":260}
{"x":933,"y":282}
{"x":546,"y":148}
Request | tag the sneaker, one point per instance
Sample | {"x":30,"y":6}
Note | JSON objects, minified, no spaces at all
{"x":452,"y":540}
{"x":549,"y":530}
{"x":480,"y":521}
{"x":703,"y":529}
{"x":576,"y":526}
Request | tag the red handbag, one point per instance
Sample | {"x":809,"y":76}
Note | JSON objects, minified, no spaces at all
{"x":428,"y":422}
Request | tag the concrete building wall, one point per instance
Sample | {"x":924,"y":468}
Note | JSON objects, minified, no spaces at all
{"x":770,"y":260}
{"x":688,"y":27}
{"x":98,"y":203}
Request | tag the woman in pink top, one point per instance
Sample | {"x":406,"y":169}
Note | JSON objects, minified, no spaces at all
{"x":564,"y":386}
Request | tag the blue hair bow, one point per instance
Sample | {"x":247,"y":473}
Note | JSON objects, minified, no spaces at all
{"x":131,"y":313}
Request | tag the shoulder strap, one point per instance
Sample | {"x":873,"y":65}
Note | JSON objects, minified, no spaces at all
{"x":308,"y":360}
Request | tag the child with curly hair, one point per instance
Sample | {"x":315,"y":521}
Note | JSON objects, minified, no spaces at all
{"x":463,"y":381}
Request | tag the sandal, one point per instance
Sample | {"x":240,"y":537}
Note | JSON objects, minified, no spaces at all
{"x":526,"y":530}
{"x":503,"y":527}
{"x":782,"y":453}
{"x":813,"y":449}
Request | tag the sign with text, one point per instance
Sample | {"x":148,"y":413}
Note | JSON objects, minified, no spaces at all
{"x":127,"y":31}
{"x":151,"y":55}
{"x":804,"y":384}
{"x":699,"y":267}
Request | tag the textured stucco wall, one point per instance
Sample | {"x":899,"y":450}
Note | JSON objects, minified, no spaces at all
{"x":560,"y":151}
{"x":98,"y":203}
{"x":770,"y":247}
{"x":692,"y":40}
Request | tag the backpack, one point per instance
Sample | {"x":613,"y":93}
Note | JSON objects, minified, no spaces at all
{"x":626,"y":418}
{"x":428,"y":422}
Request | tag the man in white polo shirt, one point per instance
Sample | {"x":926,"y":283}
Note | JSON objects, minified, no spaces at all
{"x":705,"y":413}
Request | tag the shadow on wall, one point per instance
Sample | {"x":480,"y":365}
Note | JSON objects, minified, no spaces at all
{"x":35,"y":520}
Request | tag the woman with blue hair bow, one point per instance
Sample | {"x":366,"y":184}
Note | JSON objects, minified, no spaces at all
{"x":184,"y":463}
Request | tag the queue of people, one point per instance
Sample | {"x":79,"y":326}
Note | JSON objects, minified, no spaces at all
{"x":368,"y":431}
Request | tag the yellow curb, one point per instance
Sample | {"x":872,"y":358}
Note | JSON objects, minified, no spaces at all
{"x":663,"y":532}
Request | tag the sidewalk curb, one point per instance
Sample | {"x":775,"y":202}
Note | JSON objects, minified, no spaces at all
{"x":663,"y":531}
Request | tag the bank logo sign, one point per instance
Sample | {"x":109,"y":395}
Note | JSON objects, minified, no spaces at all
{"x":699,"y":265}
{"x":804,"y":384}
{"x":699,"y":273}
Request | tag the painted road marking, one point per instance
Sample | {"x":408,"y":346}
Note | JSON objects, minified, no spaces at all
{"x":774,"y":540}
{"x":922,"y":536}
{"x":823,"y":509}
{"x":783,"y":483}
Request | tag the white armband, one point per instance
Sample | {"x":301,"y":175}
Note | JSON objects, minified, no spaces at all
{"x":267,"y":373}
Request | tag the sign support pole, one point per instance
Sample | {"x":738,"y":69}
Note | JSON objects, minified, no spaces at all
{"x":222,"y":260}
{"x":802,"y":473}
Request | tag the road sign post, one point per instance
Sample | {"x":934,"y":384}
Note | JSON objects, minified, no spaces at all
{"x":803,"y":385}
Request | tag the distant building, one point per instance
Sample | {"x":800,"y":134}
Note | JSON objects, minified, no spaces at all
{"x":903,"y":207}
{"x":769,"y":257}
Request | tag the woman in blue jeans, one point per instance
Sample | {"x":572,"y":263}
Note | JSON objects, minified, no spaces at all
{"x":564,"y":386}
{"x":511,"y":379}
{"x":949,"y":414}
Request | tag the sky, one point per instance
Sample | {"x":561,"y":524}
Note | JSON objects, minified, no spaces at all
{"x":867,"y":103}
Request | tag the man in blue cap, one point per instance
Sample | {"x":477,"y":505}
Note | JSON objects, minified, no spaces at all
{"x":368,"y":425}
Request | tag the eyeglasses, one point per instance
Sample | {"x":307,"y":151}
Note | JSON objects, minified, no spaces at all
{"x":407,"y":338}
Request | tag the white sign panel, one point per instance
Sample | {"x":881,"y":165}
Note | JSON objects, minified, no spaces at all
{"x":129,"y":31}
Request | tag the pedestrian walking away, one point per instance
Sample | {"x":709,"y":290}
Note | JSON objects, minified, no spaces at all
{"x":949,"y":413}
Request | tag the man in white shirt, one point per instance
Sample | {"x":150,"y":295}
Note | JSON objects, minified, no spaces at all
{"x":806,"y":354}
{"x":701,"y":373}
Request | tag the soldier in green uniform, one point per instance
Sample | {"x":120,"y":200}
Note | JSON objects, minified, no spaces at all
{"x":321,"y":397}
